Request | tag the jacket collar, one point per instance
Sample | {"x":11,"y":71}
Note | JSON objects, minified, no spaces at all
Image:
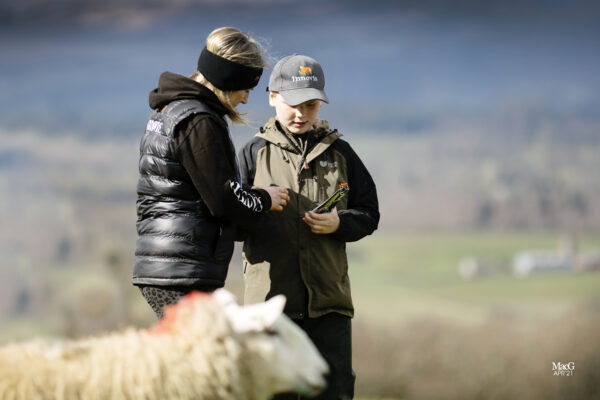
{"x":321,"y":138}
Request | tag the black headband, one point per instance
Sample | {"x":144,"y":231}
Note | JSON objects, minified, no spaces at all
{"x":226,"y":74}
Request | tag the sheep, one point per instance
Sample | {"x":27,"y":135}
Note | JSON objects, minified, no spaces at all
{"x":205,"y":347}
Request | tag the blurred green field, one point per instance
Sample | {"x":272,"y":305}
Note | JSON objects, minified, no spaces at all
{"x":397,"y":275}
{"x":394,"y":276}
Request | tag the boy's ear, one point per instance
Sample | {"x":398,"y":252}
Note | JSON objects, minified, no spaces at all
{"x":272,"y":97}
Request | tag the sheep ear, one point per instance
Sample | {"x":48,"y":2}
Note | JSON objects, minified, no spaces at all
{"x":275,"y":304}
{"x":224,"y":297}
{"x":231,"y":308}
{"x":256,"y":317}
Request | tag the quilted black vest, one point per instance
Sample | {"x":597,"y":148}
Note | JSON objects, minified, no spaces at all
{"x":179,"y":242}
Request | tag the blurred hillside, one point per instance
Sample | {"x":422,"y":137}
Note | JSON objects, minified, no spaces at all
{"x":470,"y":115}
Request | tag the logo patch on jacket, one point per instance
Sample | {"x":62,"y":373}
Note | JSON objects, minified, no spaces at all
{"x":325,"y":164}
{"x":154,"y":126}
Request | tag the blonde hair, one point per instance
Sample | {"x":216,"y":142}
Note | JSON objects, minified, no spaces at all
{"x":236,"y":46}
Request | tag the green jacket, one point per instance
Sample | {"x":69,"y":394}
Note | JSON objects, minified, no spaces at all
{"x":281,"y":255}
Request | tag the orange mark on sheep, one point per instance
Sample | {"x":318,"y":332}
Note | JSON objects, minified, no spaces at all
{"x":172,"y":314}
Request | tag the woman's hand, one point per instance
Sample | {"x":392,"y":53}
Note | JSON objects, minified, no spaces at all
{"x":279,"y":197}
{"x":322,"y":223}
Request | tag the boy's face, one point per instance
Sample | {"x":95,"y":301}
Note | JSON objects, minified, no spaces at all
{"x":297,"y":119}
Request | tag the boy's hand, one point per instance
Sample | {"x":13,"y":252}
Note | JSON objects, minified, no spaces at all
{"x":279,"y":197}
{"x":322,"y":223}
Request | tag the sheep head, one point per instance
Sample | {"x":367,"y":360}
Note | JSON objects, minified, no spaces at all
{"x":276,"y":355}
{"x":277,"y":347}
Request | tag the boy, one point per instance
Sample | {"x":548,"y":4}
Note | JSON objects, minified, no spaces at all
{"x":297,"y":252}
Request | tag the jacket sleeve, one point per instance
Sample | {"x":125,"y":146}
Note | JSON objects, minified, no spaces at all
{"x":247,"y":162}
{"x":207,"y":154}
{"x":361,"y":218}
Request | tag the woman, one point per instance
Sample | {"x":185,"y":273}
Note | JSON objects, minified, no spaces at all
{"x":189,"y":189}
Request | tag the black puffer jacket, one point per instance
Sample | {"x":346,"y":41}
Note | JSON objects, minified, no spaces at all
{"x":188,"y":190}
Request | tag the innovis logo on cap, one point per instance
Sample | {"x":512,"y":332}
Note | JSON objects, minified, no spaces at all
{"x":305,"y":74}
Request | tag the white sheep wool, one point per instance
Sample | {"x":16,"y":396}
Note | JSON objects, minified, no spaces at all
{"x":205,"y":347}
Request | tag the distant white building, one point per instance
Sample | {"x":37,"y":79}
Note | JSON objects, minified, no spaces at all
{"x":528,"y":262}
{"x":565,"y":258}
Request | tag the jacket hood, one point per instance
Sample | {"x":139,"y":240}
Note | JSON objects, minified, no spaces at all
{"x":173,"y":87}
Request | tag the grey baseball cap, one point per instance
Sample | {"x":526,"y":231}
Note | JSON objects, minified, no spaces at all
{"x":297,"y":79}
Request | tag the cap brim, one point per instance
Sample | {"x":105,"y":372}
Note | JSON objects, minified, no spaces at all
{"x":298,"y":96}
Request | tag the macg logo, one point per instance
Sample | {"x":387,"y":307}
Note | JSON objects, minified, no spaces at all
{"x":563,"y":369}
